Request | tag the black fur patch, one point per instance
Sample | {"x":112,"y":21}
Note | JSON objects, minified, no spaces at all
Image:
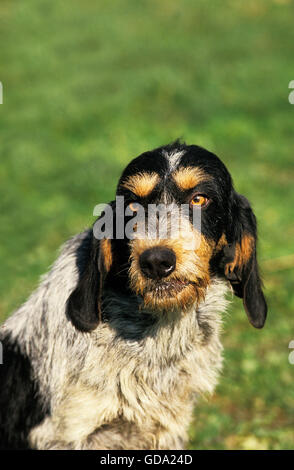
{"x":20,"y":405}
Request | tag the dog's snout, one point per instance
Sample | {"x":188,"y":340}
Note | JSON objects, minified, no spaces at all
{"x":157,"y":262}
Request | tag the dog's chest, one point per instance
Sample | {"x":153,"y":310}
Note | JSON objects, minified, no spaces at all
{"x":151,"y":379}
{"x":128,"y":387}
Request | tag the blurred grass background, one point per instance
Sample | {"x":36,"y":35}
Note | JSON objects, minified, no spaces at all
{"x":88,"y":85}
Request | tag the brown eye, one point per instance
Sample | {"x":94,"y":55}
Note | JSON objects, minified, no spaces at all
{"x":134,"y":207}
{"x":199,"y":200}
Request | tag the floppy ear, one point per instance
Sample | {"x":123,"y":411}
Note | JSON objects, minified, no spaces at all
{"x":240,"y":263}
{"x":84,"y":305}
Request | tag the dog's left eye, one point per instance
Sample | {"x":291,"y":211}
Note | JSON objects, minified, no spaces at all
{"x":134,"y":206}
{"x":199,"y":200}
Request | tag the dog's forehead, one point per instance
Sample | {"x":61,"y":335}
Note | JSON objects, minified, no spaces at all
{"x":185,"y":164}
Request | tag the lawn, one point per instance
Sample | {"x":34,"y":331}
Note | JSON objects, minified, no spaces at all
{"x":87,"y":86}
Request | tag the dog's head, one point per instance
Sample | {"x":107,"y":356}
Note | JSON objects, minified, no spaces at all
{"x":176,"y":223}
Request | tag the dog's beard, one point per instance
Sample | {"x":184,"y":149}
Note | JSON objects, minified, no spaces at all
{"x":175,"y":293}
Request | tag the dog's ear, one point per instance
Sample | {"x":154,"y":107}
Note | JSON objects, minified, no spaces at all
{"x":84,"y":305}
{"x":240,"y":262}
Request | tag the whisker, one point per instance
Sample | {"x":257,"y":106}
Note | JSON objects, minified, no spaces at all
{"x":122,"y":270}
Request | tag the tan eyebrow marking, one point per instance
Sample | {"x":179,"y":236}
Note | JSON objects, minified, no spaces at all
{"x":141,"y":184}
{"x":187,"y":178}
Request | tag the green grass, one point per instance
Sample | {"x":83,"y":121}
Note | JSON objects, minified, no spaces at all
{"x":89,"y":85}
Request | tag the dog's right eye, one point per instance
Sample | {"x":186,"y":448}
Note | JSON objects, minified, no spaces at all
{"x":199,"y":200}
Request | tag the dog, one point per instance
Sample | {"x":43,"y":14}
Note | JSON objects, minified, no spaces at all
{"x":122,"y":336}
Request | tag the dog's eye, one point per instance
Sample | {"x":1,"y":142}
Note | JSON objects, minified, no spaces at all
{"x":134,"y":206}
{"x":199,"y":200}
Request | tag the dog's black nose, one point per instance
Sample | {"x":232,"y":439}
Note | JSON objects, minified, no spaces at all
{"x":157,"y":262}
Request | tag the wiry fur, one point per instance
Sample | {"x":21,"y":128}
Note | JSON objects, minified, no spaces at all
{"x":112,"y":388}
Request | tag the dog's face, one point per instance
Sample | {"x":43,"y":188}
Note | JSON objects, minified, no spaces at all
{"x":171,"y":269}
{"x":189,"y":225}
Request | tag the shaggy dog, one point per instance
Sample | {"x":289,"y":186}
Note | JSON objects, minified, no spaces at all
{"x":122,"y":335}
